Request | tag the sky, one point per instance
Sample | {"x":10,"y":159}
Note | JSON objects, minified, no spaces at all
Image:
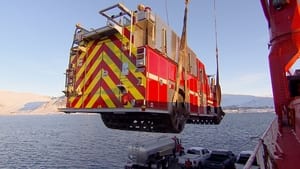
{"x":36,"y":37}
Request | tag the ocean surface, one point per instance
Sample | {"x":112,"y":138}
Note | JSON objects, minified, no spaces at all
{"x":82,"y":141}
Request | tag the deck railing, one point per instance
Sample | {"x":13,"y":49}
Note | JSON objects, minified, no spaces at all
{"x":264,"y":151}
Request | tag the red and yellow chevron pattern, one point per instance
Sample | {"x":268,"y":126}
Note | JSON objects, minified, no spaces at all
{"x":101,"y":68}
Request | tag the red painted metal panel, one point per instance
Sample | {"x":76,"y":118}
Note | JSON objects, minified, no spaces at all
{"x":163,"y":96}
{"x":152,"y":62}
{"x":152,"y":90}
{"x":172,"y":71}
{"x":297,"y":124}
{"x":100,"y":103}
{"x":193,"y":105}
{"x":163,"y":67}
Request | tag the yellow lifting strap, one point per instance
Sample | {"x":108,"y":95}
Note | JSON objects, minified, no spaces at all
{"x":182,"y":60}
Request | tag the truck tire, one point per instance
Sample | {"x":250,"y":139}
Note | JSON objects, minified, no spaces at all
{"x":165,"y":163}
{"x":159,"y":165}
{"x":178,"y":114}
{"x":199,"y":166}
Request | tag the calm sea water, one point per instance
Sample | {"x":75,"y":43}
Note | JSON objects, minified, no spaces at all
{"x":82,"y":141}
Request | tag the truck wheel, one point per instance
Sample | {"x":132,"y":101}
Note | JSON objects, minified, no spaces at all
{"x":166,"y":163}
{"x":178,"y":114}
{"x":199,"y":166}
{"x":159,"y":165}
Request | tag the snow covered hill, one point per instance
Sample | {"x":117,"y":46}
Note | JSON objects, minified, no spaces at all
{"x":28,"y":103}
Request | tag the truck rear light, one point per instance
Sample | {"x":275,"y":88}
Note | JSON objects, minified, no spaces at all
{"x":143,"y":108}
{"x":125,"y":99}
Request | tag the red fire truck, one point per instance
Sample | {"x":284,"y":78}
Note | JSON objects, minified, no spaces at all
{"x":139,"y":75}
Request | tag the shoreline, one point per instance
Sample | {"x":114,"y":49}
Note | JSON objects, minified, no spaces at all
{"x":241,"y":110}
{"x":227,"y":111}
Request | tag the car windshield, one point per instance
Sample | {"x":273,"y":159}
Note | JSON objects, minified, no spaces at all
{"x":219,"y":156}
{"x":193,"y":152}
{"x":243,"y":159}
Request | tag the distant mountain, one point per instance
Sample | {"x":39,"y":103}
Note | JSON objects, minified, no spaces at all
{"x":246,"y":101}
{"x":28,"y":103}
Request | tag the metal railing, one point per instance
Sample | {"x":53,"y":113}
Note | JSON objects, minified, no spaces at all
{"x":264,"y":151}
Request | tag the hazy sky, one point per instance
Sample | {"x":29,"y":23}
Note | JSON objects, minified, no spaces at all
{"x":36,"y":36}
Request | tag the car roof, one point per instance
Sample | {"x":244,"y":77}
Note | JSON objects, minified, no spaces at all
{"x":221,"y":150}
{"x":197,"y":148}
{"x":246,"y":152}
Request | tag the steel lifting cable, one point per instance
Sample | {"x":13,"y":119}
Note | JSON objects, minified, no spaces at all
{"x":216,"y":33}
{"x":218,"y":88}
{"x":167,"y":13}
{"x":216,"y":40}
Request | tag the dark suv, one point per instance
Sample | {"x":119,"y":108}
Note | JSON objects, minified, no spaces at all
{"x":220,"y":159}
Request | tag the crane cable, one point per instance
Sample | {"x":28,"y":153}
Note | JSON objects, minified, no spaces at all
{"x":167,"y":13}
{"x":218,"y":88}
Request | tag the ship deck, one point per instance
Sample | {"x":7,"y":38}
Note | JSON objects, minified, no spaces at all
{"x":290,"y":146}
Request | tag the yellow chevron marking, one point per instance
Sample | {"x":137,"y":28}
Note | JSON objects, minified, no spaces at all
{"x":131,"y":66}
{"x":71,"y":99}
{"x":112,"y":87}
{"x":89,"y":74}
{"x":82,"y":67}
{"x":77,"y":64}
{"x":79,"y":103}
{"x":110,"y":83}
{"x":125,"y":40}
{"x":115,"y":90}
{"x":93,"y":84}
{"x":88,"y":58}
{"x":90,"y":88}
{"x":129,"y":86}
{"x":123,"y":58}
{"x":93,"y":100}
{"x":106,"y":98}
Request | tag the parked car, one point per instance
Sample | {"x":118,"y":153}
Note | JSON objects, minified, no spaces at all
{"x":220,"y":159}
{"x":196,"y":155}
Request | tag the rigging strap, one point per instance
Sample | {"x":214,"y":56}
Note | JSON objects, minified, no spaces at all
{"x":218,"y":88}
